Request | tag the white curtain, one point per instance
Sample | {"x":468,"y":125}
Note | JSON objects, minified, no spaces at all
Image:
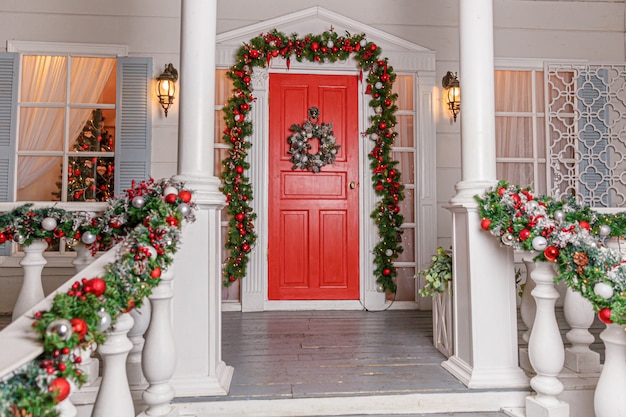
{"x":41,"y":129}
{"x":514,"y":132}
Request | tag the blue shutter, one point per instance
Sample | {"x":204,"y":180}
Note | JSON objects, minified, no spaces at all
{"x":8,"y":102}
{"x":133,"y":125}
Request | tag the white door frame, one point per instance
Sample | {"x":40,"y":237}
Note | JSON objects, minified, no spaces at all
{"x":406,"y":58}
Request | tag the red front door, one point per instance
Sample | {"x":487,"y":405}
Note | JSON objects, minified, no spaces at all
{"x":313,"y":220}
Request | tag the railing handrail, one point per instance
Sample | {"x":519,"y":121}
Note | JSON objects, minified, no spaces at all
{"x":96,"y":206}
{"x":20,"y":343}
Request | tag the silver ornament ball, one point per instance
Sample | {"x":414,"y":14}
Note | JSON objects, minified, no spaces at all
{"x":603,"y":290}
{"x":19,"y":238}
{"x":378,"y":85}
{"x":184,"y":209}
{"x":389,"y":252}
{"x":138,"y":202}
{"x":605,"y":230}
{"x":559,"y":215}
{"x":539,"y":243}
{"x":363,"y":42}
{"x":48,"y":223}
{"x":379,"y":287}
{"x":507,"y":239}
{"x":60,"y":327}
{"x":105,"y":320}
{"x":532,"y":204}
{"x":88,"y":238}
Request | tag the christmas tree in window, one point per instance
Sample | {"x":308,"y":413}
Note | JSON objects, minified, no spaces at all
{"x":90,"y":178}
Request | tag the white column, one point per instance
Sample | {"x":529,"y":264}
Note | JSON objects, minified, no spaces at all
{"x":197,"y":306}
{"x":31,"y":292}
{"x":485,"y":311}
{"x":141,"y":318}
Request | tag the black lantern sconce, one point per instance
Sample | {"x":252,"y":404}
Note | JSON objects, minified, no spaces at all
{"x":450,"y":84}
{"x":166,"y":87}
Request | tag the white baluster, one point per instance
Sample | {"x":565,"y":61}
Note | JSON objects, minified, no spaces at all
{"x":32,"y":291}
{"x":579,"y":315}
{"x":89,"y":366}
{"x":114,"y":397}
{"x":141,"y":316}
{"x":527,"y":309}
{"x":83,"y":257}
{"x":159,"y":351}
{"x":545,"y":348}
{"x":608,"y":400}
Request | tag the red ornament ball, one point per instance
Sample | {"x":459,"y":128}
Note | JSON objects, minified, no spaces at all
{"x":185,"y":196}
{"x":605,"y":315}
{"x":245,"y":247}
{"x":386,"y":271}
{"x":387,"y":103}
{"x":170,"y":198}
{"x":172,"y":221}
{"x":524,"y":234}
{"x":551,"y":253}
{"x":3,"y":238}
{"x":240,"y":217}
{"x":61,"y":387}
{"x":315,"y":46}
{"x":584,"y":225}
{"x":79,"y":326}
{"x":156,"y":273}
{"x":382,"y":125}
{"x":98,"y":286}
{"x":501,"y":190}
{"x":239,"y":169}
{"x":485,"y":223}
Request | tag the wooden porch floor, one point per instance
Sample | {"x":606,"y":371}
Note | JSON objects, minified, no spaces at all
{"x":339,"y":358}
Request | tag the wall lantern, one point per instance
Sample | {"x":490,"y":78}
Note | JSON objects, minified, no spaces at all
{"x":450,"y":84}
{"x":166,"y":86}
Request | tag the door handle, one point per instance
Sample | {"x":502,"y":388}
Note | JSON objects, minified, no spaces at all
{"x":352,"y":185}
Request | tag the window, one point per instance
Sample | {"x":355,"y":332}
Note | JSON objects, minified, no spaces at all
{"x":65,"y":139}
{"x":68,"y":112}
{"x":520,"y":125}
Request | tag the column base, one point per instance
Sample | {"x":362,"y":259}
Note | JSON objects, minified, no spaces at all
{"x":535,"y":408}
{"x":205,"y":386}
{"x":488,"y":378}
{"x":582,"y":362}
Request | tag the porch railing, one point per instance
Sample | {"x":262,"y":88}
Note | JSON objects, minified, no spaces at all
{"x":136,"y":371}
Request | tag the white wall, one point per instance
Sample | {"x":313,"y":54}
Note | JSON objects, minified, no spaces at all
{"x":591,"y":30}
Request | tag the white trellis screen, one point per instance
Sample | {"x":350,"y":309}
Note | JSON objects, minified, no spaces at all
{"x":586,"y":132}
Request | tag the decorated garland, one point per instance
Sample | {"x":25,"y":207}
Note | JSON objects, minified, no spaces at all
{"x":146,"y":225}
{"x":572,"y":236}
{"x":300,"y":146}
{"x":326,"y":47}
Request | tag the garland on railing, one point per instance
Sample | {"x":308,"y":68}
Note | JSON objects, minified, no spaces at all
{"x":563,"y":232}
{"x":146,"y":223}
{"x":326,"y":47}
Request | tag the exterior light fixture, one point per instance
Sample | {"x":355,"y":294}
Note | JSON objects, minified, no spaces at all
{"x":166,"y":87}
{"x":450,"y":84}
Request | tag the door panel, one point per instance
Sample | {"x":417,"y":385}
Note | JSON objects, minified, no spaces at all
{"x":313,"y":217}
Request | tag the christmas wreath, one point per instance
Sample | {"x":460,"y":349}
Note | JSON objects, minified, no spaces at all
{"x":146,"y":225}
{"x":572,"y":236}
{"x":386,"y":179}
{"x":300,"y":146}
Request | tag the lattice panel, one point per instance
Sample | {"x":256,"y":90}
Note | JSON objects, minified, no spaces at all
{"x":586,"y":133}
